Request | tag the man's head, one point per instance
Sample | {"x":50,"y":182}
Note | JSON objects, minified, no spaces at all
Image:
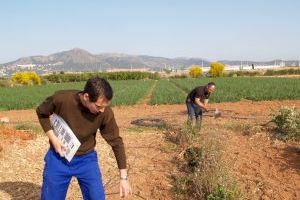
{"x":97,"y":94}
{"x":211,"y":87}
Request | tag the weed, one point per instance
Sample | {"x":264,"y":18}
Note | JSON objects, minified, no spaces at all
{"x":287,"y":121}
{"x":244,"y":128}
{"x":203,"y":172}
{"x":221,"y":193}
{"x":252,"y":129}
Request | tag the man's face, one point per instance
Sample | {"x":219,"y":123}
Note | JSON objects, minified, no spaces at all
{"x":98,"y":106}
{"x":211,"y":88}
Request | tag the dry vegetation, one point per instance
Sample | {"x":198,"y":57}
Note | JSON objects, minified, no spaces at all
{"x":232,"y":157}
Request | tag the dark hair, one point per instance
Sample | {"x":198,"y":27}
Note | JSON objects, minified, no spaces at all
{"x":98,"y":87}
{"x":211,"y":84}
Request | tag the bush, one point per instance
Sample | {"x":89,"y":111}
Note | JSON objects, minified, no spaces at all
{"x":243,"y":73}
{"x":79,"y":77}
{"x":26,"y":78}
{"x":5,"y":83}
{"x":216,"y":69}
{"x":287,"y":122}
{"x":179,"y":76}
{"x":290,"y":71}
{"x":195,"y":71}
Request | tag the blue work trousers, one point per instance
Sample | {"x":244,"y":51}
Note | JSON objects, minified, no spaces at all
{"x":58,"y":173}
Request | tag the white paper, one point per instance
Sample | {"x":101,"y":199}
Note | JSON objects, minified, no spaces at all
{"x":65,"y":135}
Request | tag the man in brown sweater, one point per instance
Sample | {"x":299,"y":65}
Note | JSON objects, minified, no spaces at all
{"x":85,"y":112}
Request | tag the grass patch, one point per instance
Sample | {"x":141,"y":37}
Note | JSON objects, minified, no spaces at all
{"x":136,"y":129}
{"x":29,"y":127}
{"x":243,"y":127}
{"x":150,"y":122}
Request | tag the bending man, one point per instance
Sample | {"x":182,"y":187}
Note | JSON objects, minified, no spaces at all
{"x":85,"y":112}
{"x":196,"y":102}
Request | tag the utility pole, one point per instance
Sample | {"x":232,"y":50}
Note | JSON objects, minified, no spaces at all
{"x":241,"y":65}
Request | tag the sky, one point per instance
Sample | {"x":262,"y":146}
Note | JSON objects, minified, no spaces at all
{"x":258,"y":30}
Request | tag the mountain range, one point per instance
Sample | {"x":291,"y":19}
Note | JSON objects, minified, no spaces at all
{"x":81,"y":60}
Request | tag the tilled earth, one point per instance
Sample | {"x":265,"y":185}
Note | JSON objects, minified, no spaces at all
{"x":264,"y":168}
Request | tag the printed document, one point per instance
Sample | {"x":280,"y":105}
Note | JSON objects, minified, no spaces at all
{"x":65,"y":135}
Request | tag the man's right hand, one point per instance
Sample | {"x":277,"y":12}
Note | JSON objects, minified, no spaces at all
{"x":58,"y":147}
{"x":204,"y":109}
{"x":201,"y":105}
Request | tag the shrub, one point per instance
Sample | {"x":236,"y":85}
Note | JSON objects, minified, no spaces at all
{"x":179,"y":76}
{"x":290,"y":71}
{"x":195,"y":71}
{"x":5,"y":83}
{"x":287,"y":122}
{"x":216,"y":69}
{"x":78,"y":77}
{"x":26,"y":78}
{"x":243,"y":73}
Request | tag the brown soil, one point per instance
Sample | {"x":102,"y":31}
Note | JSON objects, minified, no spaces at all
{"x":264,"y":168}
{"x":9,"y":135}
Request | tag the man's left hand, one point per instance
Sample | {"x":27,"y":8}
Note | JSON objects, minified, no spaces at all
{"x":125,"y":188}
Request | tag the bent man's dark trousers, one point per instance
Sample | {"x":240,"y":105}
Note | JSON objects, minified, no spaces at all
{"x":194,"y":112}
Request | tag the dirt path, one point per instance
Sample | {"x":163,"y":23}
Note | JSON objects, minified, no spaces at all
{"x":147,"y":98}
{"x":264,"y":169}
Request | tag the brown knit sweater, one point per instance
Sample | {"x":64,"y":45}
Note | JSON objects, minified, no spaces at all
{"x":84,"y":124}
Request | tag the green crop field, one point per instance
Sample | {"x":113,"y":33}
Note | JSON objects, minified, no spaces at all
{"x":25,"y":97}
{"x":167,"y":92}
{"x":171,"y":91}
{"x":251,"y":88}
{"x":130,"y":92}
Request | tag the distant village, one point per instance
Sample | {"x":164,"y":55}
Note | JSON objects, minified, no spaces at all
{"x":51,"y":68}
